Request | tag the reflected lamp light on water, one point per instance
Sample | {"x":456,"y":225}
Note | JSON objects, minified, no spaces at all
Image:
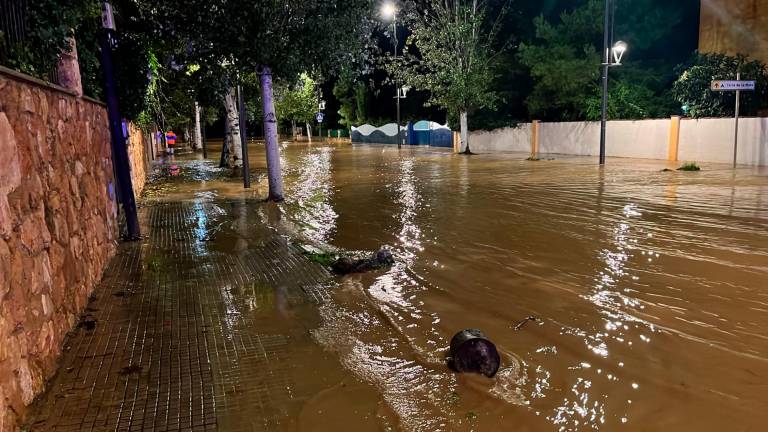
{"x":619,"y":48}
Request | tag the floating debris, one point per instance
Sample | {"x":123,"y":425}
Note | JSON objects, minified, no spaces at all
{"x":525,"y":321}
{"x":472,"y":352}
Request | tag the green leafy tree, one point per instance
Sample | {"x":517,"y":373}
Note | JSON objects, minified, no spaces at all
{"x":692,"y":89}
{"x":297,"y":103}
{"x":353,"y":96}
{"x":452,"y":53}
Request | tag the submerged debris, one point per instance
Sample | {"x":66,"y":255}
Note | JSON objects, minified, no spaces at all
{"x":87,"y":322}
{"x":347,"y":265}
{"x":131,"y":370}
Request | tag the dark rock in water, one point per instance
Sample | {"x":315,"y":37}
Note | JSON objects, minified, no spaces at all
{"x":472,"y":352}
{"x":346,"y":265}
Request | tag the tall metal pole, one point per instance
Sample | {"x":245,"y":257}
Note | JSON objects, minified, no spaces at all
{"x":244,"y":138}
{"x":205,"y":139}
{"x":120,"y":160}
{"x":397,"y":85}
{"x":606,"y":65}
{"x":736,"y":131}
{"x":223,"y":161}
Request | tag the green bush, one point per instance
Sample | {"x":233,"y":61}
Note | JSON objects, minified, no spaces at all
{"x":692,"y":89}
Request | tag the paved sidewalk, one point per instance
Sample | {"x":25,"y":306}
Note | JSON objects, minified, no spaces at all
{"x":200,"y":326}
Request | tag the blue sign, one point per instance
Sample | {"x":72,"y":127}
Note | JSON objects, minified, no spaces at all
{"x":319,"y":116}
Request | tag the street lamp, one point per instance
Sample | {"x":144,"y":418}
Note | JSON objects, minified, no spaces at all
{"x":612,"y":55}
{"x":619,"y":48}
{"x":390,"y":10}
{"x":120,"y":160}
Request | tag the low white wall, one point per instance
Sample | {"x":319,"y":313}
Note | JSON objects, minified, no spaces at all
{"x":646,"y":139}
{"x":517,"y":139}
{"x":711,"y":140}
{"x":577,"y":138}
{"x":704,"y":140}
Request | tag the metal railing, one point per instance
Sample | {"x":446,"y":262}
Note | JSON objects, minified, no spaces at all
{"x":13,"y":25}
{"x":14,"y":33}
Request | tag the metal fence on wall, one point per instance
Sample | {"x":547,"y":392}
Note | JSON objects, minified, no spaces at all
{"x":13,"y":25}
{"x":14,"y":31}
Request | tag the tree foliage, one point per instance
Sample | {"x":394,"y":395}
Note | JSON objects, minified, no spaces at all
{"x":564,"y":61}
{"x":353,"y":96}
{"x":48,"y":24}
{"x":297,"y":102}
{"x":452,"y":53}
{"x":692,"y":89}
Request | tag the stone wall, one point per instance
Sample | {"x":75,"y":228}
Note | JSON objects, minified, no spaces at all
{"x":735,"y":27}
{"x":57,"y":228}
{"x":140,"y":156}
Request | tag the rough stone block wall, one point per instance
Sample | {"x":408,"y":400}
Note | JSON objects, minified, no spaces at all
{"x":138,"y":152}
{"x":58,"y":228}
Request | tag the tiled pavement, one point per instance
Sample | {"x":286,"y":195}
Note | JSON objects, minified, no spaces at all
{"x":193,"y":328}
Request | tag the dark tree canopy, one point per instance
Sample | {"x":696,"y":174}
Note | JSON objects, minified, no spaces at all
{"x":692,"y":89}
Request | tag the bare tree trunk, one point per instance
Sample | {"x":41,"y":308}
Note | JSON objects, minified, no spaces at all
{"x":197,"y":137}
{"x":293,"y":129}
{"x":270,"y":137}
{"x":309,"y":131}
{"x":464,"y":133}
{"x":233,"y":118}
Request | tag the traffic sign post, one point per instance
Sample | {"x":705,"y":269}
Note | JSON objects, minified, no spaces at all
{"x":738,"y":86}
{"x":319,"y":117}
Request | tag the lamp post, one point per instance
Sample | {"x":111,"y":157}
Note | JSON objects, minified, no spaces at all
{"x":612,"y":55}
{"x":389,"y":9}
{"x":120,"y":161}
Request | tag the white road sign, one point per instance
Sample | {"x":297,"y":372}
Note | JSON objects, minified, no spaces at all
{"x":721,"y":85}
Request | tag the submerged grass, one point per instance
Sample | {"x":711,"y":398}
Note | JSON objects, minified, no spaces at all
{"x":324,"y":258}
{"x":690,"y":166}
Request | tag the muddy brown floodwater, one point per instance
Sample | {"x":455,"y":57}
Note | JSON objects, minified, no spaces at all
{"x":650,"y":289}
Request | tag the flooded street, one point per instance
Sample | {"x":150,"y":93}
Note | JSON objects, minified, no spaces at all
{"x":649,"y":289}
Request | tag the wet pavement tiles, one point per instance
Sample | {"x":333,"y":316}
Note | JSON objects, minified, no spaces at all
{"x":192,"y":328}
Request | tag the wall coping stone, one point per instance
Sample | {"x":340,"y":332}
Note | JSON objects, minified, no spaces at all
{"x":19,"y":76}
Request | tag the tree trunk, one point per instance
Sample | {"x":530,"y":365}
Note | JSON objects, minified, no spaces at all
{"x":270,"y":137}
{"x":197,"y":138}
{"x":309,"y":131}
{"x":464,"y":133}
{"x":225,"y":147}
{"x":233,"y":119}
{"x":293,"y":129}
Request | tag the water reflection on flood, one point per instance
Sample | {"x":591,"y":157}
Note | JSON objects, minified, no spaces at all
{"x":649,"y":287}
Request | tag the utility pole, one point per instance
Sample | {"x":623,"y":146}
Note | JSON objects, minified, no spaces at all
{"x":120,"y":161}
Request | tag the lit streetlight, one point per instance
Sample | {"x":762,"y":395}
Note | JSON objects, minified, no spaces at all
{"x":612,"y":55}
{"x":390,"y":10}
